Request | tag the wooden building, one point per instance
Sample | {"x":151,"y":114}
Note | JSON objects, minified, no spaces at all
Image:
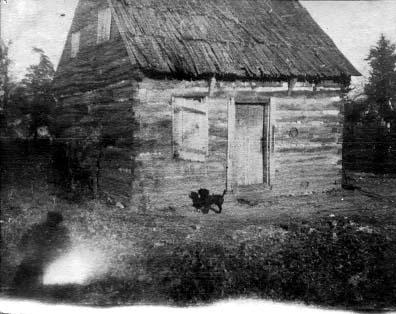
{"x":181,"y":94}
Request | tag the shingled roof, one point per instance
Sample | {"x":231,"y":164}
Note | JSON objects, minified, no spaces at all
{"x":257,"y":39}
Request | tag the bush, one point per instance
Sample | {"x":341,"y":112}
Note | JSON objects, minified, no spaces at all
{"x":191,"y":273}
{"x":336,"y":263}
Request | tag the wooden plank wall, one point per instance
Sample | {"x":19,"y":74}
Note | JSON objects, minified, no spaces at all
{"x":102,"y":135}
{"x":309,"y":162}
{"x":95,"y":65}
{"x":100,"y":97}
{"x":96,"y":92}
{"x":137,"y":166}
{"x":160,"y":179}
{"x":308,"y":144}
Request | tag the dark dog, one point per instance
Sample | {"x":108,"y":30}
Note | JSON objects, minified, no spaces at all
{"x":204,"y":201}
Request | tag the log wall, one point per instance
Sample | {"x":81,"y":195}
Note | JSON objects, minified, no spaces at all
{"x":309,"y":159}
{"x":305,"y":163}
{"x":134,"y":119}
{"x":95,"y":65}
{"x":121,"y":126}
{"x":95,"y":118}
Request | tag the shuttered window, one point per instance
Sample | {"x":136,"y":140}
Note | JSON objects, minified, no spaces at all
{"x":190,"y":128}
{"x":75,"y":44}
{"x":104,"y":25}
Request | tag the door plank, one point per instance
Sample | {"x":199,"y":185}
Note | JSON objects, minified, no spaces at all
{"x":248,"y":144}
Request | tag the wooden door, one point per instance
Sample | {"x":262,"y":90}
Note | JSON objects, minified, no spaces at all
{"x":251,"y":144}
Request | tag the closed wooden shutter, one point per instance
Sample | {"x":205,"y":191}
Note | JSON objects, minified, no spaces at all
{"x":75,"y":44}
{"x":190,"y":128}
{"x":104,"y":25}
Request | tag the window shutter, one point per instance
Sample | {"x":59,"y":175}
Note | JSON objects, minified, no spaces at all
{"x":104,"y":25}
{"x":75,"y":44}
{"x":190,"y":128}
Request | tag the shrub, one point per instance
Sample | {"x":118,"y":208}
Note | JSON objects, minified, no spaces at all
{"x":336,"y":263}
{"x":191,"y":273}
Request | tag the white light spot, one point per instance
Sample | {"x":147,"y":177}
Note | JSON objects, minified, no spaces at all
{"x":78,"y":266}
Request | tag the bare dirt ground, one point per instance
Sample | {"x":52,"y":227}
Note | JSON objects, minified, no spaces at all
{"x":123,"y":237}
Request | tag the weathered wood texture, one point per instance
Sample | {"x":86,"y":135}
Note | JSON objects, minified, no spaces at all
{"x":304,"y":162}
{"x":122,"y":120}
{"x":102,"y":128}
{"x":96,"y":92}
{"x":163,"y":179}
{"x":95,"y":65}
{"x":137,"y":164}
{"x":248,"y":141}
{"x":249,"y":39}
{"x":307,"y":144}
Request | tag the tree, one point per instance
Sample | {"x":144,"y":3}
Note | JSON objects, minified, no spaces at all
{"x":7,"y":87}
{"x":5,"y":63}
{"x":36,"y":87}
{"x":381,"y":87}
{"x":39,"y":77}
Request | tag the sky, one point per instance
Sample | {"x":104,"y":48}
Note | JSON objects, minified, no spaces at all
{"x":354,"y":26}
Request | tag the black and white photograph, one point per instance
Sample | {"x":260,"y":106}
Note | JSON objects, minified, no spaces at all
{"x":197,"y":155}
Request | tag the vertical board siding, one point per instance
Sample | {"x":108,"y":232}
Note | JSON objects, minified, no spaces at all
{"x":248,"y":152}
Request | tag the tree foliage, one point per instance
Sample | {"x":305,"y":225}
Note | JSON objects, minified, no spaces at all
{"x":39,"y":76}
{"x":28,"y":104}
{"x":36,"y":88}
{"x":5,"y":63}
{"x":381,"y":87}
{"x":6,"y":86}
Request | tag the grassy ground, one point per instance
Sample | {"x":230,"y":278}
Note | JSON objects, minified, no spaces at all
{"x":334,"y":249}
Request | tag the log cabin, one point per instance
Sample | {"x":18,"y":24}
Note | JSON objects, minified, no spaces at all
{"x":241,"y":95}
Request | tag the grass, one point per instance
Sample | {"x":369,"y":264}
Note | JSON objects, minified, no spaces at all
{"x":333,"y":249}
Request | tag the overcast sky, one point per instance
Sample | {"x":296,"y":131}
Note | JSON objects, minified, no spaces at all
{"x":353,"y":25}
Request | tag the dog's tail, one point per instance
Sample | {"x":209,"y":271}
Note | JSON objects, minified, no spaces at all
{"x":224,"y":192}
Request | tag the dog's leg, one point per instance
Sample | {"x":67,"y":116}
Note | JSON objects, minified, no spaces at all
{"x":216,"y":211}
